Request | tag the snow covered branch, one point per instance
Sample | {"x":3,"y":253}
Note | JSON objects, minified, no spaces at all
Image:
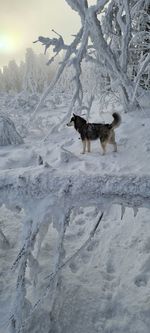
{"x":79,"y":6}
{"x":5,"y":241}
{"x":70,"y":50}
{"x":57,"y":43}
{"x":100,"y":5}
{"x":143,"y":66}
{"x":76,"y":62}
{"x":109,"y":42}
{"x":88,"y":106}
{"x":54,"y":279}
{"x":123,"y":17}
{"x":83,"y":246}
{"x":104,"y":50}
{"x":20,"y":303}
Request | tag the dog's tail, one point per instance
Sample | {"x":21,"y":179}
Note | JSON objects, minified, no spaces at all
{"x":117,"y":120}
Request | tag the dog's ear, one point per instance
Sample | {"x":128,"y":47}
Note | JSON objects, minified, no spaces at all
{"x":74,"y":114}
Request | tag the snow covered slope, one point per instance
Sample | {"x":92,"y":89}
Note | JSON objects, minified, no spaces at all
{"x":75,"y":229}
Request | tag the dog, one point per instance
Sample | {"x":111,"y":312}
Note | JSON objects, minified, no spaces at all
{"x":93,"y":131}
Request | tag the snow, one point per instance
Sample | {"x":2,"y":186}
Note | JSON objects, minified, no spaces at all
{"x":75,"y":229}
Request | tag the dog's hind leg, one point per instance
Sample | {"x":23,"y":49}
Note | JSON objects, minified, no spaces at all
{"x":115,"y":147}
{"x":103,"y":144}
{"x":113,"y":142}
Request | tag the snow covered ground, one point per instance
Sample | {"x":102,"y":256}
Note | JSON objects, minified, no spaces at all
{"x":105,"y":286}
{"x":132,"y":138}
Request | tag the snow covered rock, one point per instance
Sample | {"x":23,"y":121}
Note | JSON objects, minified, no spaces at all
{"x":8,"y":132}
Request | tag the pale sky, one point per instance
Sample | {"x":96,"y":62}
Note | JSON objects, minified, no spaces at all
{"x":22,"y":21}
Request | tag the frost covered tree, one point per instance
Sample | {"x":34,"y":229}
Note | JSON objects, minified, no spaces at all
{"x":30,"y":76}
{"x":42,"y":73}
{"x":22,"y":68}
{"x":104,"y":38}
{"x":36,"y":72}
{"x":11,"y":78}
{"x":140,"y":42}
{"x":138,"y":38}
{"x":2,"y":84}
{"x":14,"y":76}
{"x":6,"y":79}
{"x":64,"y":83}
{"x":30,"y":79}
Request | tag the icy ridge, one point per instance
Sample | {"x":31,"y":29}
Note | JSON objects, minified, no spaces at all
{"x":80,"y":187}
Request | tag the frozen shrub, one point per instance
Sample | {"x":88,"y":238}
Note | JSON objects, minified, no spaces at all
{"x":8,"y":132}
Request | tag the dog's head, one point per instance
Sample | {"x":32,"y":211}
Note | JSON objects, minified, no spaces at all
{"x":76,"y":121}
{"x":72,"y":120}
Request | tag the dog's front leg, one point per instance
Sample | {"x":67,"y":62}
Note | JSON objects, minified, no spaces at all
{"x":103,"y":144}
{"x":84,"y":146}
{"x":89,"y":146}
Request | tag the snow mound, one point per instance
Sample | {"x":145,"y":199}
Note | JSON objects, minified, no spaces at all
{"x":8,"y":132}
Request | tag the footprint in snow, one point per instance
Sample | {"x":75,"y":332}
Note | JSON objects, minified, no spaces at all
{"x":106,"y":225}
{"x":80,"y":221}
{"x":146,"y":266}
{"x":147,"y":146}
{"x":146,"y":246}
{"x":123,"y":141}
{"x":72,"y":236}
{"x":85,"y":256}
{"x":108,"y":276}
{"x":80,"y":232}
{"x":141,"y":280}
{"x":81,"y":210}
{"x":73,"y":266}
{"x":93,"y":244}
{"x":110,"y":267}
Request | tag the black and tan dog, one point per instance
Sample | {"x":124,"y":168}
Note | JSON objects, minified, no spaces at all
{"x":94,"y":131}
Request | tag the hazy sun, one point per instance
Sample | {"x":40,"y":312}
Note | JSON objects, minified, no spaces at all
{"x":7,"y":44}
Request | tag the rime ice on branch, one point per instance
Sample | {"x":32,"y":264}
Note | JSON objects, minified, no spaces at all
{"x":109,"y":37}
{"x":57,"y":44}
